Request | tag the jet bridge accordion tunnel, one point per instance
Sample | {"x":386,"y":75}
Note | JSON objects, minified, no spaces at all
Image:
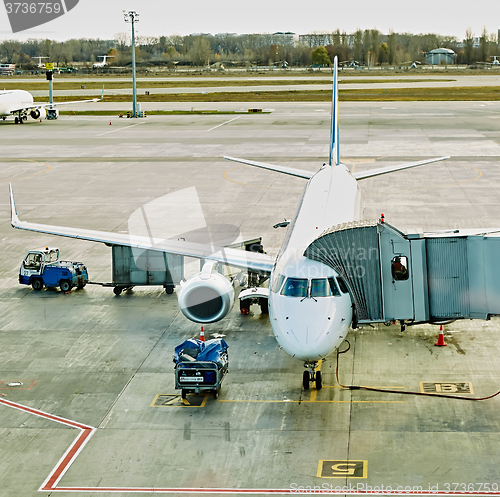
{"x":417,"y":277}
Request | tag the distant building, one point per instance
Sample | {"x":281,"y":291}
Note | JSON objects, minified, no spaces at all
{"x":440,"y":55}
{"x":314,"y":40}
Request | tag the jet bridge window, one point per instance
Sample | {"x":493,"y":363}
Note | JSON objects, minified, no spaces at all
{"x":295,"y":287}
{"x":399,"y":268}
{"x":324,"y":288}
{"x":33,"y":261}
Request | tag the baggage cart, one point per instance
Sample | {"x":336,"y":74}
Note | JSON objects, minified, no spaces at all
{"x":200,"y":366}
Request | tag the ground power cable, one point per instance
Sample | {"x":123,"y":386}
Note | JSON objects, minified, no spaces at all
{"x":383,"y":390}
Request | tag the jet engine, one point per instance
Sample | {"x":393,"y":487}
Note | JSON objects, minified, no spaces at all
{"x":38,"y":113}
{"x":206,"y":297}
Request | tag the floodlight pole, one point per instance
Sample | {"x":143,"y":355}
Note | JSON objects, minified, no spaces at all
{"x":133,"y":17}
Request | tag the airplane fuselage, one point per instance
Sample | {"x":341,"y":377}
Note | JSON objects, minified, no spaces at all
{"x":310,"y":315}
{"x":12,"y":100}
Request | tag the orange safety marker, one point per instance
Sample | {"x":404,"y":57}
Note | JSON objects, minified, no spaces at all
{"x":202,"y":335}
{"x":110,"y":123}
{"x":441,"y":342}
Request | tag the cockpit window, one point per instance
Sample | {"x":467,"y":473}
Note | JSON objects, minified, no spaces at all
{"x":333,"y":287}
{"x":278,"y":282}
{"x":295,"y":287}
{"x":324,"y":288}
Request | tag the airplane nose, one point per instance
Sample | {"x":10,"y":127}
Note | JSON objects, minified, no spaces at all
{"x":308,"y":342}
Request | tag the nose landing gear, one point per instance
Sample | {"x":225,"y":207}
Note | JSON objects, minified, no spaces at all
{"x":311,"y":375}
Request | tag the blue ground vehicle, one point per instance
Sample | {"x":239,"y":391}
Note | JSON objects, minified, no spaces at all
{"x":43,"y":268}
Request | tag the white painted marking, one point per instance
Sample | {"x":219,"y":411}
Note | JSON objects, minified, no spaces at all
{"x":119,"y":129}
{"x":219,"y":125}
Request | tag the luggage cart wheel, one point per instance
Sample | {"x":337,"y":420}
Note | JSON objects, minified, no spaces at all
{"x":183,"y":393}
{"x":169,"y":289}
{"x":117,"y":290}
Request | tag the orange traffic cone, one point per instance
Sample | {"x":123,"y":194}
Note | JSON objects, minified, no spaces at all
{"x":202,"y":335}
{"x":441,"y":342}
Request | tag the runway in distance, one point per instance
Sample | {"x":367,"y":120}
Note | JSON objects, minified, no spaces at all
{"x":19,"y":103}
{"x":310,"y":307}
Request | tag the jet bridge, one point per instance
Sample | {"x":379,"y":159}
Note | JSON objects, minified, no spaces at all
{"x":414,"y":277}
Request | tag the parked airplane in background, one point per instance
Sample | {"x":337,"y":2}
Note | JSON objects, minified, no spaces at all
{"x":97,"y":65}
{"x":310,"y":307}
{"x":19,"y":103}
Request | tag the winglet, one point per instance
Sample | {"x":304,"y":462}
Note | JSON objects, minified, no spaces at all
{"x":334,"y":127}
{"x":14,"y":220}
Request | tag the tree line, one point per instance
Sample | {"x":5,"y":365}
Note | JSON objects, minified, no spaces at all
{"x":367,"y":47}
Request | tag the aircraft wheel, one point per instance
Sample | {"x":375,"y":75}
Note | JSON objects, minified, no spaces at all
{"x":65,"y":286}
{"x":37,"y":284}
{"x":305,"y":380}
{"x":117,"y":290}
{"x":319,"y":382}
{"x":16,"y":119}
{"x":264,"y":305}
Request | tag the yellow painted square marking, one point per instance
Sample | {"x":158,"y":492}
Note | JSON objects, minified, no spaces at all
{"x":173,"y":400}
{"x":338,"y":468}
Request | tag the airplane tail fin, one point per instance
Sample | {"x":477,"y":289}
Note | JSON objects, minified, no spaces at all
{"x":334,"y":158}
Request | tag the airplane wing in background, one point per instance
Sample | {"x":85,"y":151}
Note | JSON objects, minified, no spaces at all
{"x":391,"y":169}
{"x":231,"y":257}
{"x":299,"y":173}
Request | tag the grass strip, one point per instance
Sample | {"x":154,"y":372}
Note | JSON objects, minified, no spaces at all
{"x":363,"y":95}
{"x":146,"y":85}
{"x":153,"y":112}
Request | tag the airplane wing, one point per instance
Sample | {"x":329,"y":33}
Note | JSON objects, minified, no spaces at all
{"x":54,"y":104}
{"x":299,"y":173}
{"x":390,"y":169}
{"x":231,"y":257}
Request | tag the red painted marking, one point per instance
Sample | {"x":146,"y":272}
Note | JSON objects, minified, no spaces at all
{"x":253,"y":491}
{"x":67,"y":460}
{"x":87,"y":431}
{"x":45,"y":415}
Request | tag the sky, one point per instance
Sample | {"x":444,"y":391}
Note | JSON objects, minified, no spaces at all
{"x":103,"y":18}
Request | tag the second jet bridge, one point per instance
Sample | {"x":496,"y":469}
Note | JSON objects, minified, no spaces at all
{"x":418,"y":277}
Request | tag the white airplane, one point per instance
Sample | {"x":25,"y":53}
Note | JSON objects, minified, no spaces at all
{"x":103,"y":63}
{"x":309,"y":305}
{"x":20,"y":102}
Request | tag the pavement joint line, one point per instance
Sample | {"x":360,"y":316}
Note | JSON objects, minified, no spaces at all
{"x":30,"y":175}
{"x":227,"y":122}
{"x":119,"y":129}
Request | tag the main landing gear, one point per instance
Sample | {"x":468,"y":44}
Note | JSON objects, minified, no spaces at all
{"x":20,"y":119}
{"x":311,"y":375}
